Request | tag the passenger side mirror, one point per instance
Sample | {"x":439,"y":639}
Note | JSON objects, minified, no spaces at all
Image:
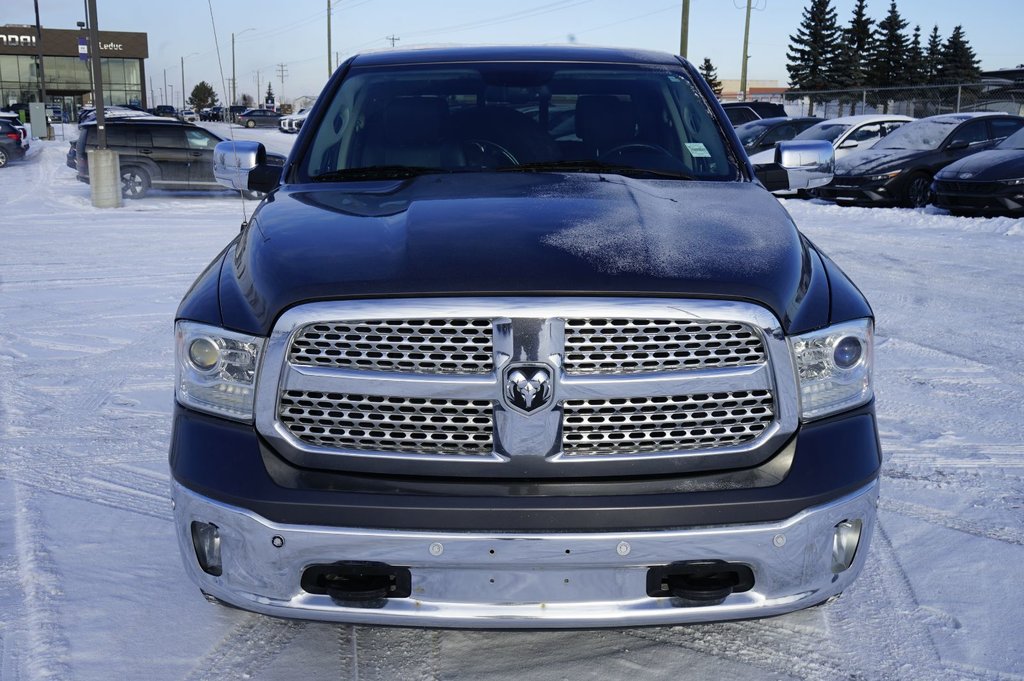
{"x":798,"y":165}
{"x":243,"y":166}
{"x":957,"y":145}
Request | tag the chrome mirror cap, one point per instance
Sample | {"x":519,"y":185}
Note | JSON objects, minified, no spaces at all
{"x":233,"y":161}
{"x":808,"y":163}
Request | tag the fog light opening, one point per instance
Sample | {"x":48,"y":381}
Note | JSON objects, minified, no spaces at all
{"x":845,"y":540}
{"x":206,"y":541}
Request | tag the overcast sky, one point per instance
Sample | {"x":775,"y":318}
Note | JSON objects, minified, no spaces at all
{"x":294,"y":32}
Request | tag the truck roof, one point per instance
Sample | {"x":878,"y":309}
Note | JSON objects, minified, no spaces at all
{"x":556,"y":53}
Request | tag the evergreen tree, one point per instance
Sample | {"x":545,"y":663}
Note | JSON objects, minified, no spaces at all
{"x":856,"y":40}
{"x":958,"y":63}
{"x":270,"y":90}
{"x":916,"y":74}
{"x":813,"y":54}
{"x":710,"y":73}
{"x":859,"y":36}
{"x":887,"y":66}
{"x":933,"y":57}
{"x":202,"y":96}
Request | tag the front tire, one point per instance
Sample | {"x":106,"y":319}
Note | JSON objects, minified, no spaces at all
{"x":918,"y":191}
{"x":135,"y":182}
{"x":3,"y":158}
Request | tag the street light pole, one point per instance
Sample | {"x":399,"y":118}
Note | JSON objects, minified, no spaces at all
{"x":183,"y":103}
{"x":234,"y":86}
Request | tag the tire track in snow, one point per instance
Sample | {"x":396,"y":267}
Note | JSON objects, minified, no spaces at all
{"x":779,"y":649}
{"x":246,"y":649}
{"x":388,"y":653}
{"x":40,"y":580}
{"x":1007,"y":535}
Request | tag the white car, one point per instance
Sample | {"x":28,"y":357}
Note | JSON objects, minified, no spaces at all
{"x":189,"y":116}
{"x":847,"y":134}
{"x":293,"y":122}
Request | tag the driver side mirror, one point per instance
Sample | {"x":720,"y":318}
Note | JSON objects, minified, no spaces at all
{"x":243,"y":166}
{"x":957,"y":145}
{"x":849,"y":144}
{"x":798,"y":165}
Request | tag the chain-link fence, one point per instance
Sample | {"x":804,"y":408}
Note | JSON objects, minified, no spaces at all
{"x":916,"y":101}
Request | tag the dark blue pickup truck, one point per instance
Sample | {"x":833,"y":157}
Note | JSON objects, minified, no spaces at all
{"x":519,"y":338}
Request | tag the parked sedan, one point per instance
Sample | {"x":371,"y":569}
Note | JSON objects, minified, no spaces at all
{"x":263,"y":118}
{"x":847,"y":134}
{"x":987,"y":183}
{"x":764,"y":134}
{"x":899,"y":169}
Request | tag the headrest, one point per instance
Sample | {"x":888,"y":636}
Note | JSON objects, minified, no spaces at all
{"x":416,"y":120}
{"x":604,"y":119}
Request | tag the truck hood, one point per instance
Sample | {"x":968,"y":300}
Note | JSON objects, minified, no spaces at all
{"x":516,"y":234}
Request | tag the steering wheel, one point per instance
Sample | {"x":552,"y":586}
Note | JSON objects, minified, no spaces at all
{"x":487,"y":154}
{"x":632,"y":148}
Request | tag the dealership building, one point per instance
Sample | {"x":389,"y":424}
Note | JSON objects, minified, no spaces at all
{"x":68,"y":75}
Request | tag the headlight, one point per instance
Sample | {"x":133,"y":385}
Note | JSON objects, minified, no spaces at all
{"x":216,"y":369}
{"x":1014,"y":183}
{"x":833,"y":368}
{"x":884,"y":176}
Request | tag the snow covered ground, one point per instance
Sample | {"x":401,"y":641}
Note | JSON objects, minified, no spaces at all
{"x":91,"y":585}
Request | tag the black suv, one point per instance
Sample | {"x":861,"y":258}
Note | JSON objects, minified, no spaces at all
{"x":10,"y":142}
{"x":739,"y":113}
{"x":157,"y":153}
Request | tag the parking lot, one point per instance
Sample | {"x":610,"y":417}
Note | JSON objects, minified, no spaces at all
{"x":91,"y":583}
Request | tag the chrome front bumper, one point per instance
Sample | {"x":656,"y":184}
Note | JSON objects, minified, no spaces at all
{"x":497,"y":580}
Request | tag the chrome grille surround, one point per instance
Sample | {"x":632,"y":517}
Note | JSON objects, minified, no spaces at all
{"x":527,"y":332}
{"x":388,"y":424}
{"x":641,"y":425}
{"x":630,"y":346}
{"x":418,"y":346}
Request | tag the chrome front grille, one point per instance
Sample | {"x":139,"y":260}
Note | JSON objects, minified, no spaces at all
{"x":388,"y":424}
{"x":416,"y":346}
{"x":630,"y":386}
{"x":631,"y":346}
{"x":640,"y":425}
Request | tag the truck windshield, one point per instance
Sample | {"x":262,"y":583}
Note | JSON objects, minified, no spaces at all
{"x":396,"y":121}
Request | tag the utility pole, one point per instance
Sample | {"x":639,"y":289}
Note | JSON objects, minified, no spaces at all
{"x":743,"y":66}
{"x":259,"y":93}
{"x":165,"y":86}
{"x":232,"y":70}
{"x":42,"y":70}
{"x":104,"y":167}
{"x":684,"y":30}
{"x":282,"y":71}
{"x":328,"y":39}
{"x":394,"y":39}
{"x":182,"y":83}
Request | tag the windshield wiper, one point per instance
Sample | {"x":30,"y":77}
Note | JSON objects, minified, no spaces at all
{"x":594,"y":167}
{"x":377,"y":173}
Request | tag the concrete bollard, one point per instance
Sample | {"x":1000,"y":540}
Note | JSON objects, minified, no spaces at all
{"x":105,"y":178}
